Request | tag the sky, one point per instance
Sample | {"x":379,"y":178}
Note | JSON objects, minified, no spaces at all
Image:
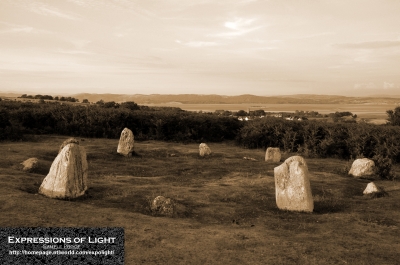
{"x":226,"y":47}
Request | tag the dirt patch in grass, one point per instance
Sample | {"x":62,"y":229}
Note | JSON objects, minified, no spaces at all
{"x":225,"y":205}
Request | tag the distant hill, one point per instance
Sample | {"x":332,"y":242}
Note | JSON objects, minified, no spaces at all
{"x":10,"y":94}
{"x":220,"y":99}
{"x":385,"y":96}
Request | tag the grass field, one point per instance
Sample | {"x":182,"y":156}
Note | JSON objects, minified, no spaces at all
{"x":226,"y":211}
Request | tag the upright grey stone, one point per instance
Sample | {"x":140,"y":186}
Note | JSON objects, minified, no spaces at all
{"x":292,"y":185}
{"x":362,"y":167}
{"x":273,"y":154}
{"x":68,"y":141}
{"x":67,"y":177}
{"x":204,"y":150}
{"x":125,"y":145}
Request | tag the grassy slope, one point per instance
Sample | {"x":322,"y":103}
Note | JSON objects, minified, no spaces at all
{"x":226,"y":211}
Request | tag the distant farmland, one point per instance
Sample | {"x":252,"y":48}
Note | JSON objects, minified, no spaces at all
{"x":366,"y":111}
{"x":372,"y":111}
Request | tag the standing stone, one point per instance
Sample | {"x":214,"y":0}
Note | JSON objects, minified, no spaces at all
{"x":273,"y":155}
{"x":68,"y":141}
{"x":125,"y":145}
{"x":67,"y":177}
{"x":204,"y":150}
{"x":362,"y":167}
{"x":30,"y":164}
{"x":292,"y":185}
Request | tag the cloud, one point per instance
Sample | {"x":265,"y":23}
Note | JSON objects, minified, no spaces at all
{"x":245,"y":2}
{"x":46,"y":10}
{"x":18,"y":29}
{"x":238,"y":23}
{"x":237,"y":27}
{"x":369,"y":85}
{"x":387,"y":85}
{"x":79,"y":44}
{"x":198,"y":44}
{"x":120,"y":5}
{"x":73,"y":52}
{"x":235,"y":33}
{"x":368,"y":45}
{"x":78,"y":2}
{"x":316,"y":35}
{"x":266,"y":48}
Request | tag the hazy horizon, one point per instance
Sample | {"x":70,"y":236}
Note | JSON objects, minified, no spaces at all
{"x":223,"y":47}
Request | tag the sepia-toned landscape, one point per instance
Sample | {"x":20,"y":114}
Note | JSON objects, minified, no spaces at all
{"x":225,"y":208}
{"x":212,"y":132}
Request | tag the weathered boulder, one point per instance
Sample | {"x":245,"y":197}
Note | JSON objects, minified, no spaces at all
{"x":67,"y":177}
{"x":30,"y":165}
{"x":292,"y":185}
{"x":362,"y":167}
{"x":273,"y":155}
{"x":68,"y":141}
{"x":163,"y":206}
{"x":374,"y":191}
{"x":371,"y":188}
{"x":204,"y":150}
{"x":125,"y":145}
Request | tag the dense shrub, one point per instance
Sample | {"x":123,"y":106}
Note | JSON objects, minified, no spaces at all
{"x":4,"y":118}
{"x":8,"y":130}
{"x":319,"y":139}
{"x":270,"y":132}
{"x":394,"y":116}
{"x":383,"y":166}
{"x":109,"y":119}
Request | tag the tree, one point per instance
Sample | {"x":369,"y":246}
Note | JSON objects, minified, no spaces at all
{"x":110,"y":104}
{"x":343,"y":114}
{"x":241,"y":113}
{"x":218,"y":112}
{"x":259,"y":112}
{"x":227,"y":113}
{"x":130,"y":105}
{"x":394,"y":116}
{"x":85,"y":101}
